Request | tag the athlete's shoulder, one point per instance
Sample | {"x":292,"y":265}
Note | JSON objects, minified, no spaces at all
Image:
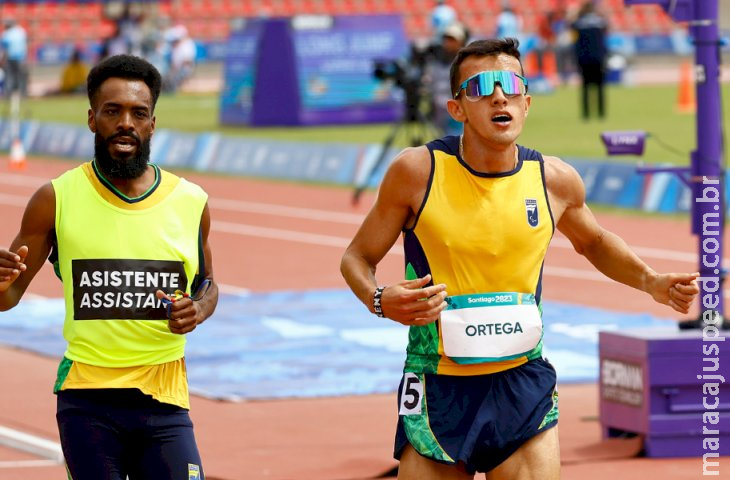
{"x":558,"y":168}
{"x":411,"y":161}
{"x":77,"y":171}
{"x":72,"y":179}
{"x":563,"y":179}
{"x":190,"y":188}
{"x":448,"y":145}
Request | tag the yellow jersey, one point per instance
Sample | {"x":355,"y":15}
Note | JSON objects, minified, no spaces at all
{"x":113,"y":253}
{"x":478,"y":233}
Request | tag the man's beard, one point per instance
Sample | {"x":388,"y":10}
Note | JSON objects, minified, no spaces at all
{"x":129,"y":168}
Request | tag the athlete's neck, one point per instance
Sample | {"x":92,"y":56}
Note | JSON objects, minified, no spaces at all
{"x":129,"y":187}
{"x":488,"y":160}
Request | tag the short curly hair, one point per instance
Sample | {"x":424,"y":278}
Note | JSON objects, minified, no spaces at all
{"x":124,"y":66}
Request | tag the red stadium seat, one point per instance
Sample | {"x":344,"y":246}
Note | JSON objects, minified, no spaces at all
{"x":11,"y":10}
{"x":378,"y":6}
{"x":41,"y":32}
{"x":106,"y":28}
{"x":618,"y":21}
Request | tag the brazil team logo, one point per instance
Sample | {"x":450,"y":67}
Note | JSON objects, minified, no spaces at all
{"x":531,"y":209}
{"x":194,"y":472}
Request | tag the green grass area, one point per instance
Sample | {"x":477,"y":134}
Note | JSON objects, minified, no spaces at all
{"x":553,"y":127}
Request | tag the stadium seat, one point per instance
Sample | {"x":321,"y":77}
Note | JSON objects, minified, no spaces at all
{"x":65,"y":31}
{"x":41,"y":32}
{"x":479,"y":7}
{"x":86,"y":30}
{"x":68,"y":12}
{"x":10,"y":10}
{"x":105,"y":29}
{"x":618,"y":21}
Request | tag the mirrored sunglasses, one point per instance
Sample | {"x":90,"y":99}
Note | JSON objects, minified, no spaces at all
{"x":482,"y":84}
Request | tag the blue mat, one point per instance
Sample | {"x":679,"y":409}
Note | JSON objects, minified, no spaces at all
{"x":316,"y":343}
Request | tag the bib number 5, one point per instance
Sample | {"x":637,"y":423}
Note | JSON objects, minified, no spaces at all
{"x":410,"y":395}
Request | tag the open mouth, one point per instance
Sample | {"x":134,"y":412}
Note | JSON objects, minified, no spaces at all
{"x":502,"y":118}
{"x":124,"y":143}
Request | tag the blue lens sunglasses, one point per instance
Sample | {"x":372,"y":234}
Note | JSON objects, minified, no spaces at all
{"x":483,"y":84}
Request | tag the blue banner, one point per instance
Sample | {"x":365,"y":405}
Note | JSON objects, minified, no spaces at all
{"x":239,"y":73}
{"x":335,"y":66}
{"x":312,"y":70}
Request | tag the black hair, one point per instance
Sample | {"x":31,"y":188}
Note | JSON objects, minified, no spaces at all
{"x":484,"y":48}
{"x":128,"y":67}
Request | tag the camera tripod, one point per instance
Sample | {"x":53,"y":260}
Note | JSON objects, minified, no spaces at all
{"x":416,"y":125}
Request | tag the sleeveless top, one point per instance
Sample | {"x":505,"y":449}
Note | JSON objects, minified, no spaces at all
{"x":477,"y":233}
{"x":113,"y":253}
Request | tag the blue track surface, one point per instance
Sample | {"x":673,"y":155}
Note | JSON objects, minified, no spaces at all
{"x":316,"y":343}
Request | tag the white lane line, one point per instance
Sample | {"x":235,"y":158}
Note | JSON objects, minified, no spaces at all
{"x":335,"y":241}
{"x":19,"y":180}
{"x":30,"y":443}
{"x":284,"y":211}
{"x":233,"y":290}
{"x":215,"y":202}
{"x":644,"y":252}
{"x":343,"y":218}
{"x":13,"y":200}
{"x":28,"y":463}
{"x":576,"y":274}
{"x":280,"y":234}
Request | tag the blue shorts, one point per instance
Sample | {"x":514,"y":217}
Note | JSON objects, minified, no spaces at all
{"x":114,"y":433}
{"x":476,"y":420}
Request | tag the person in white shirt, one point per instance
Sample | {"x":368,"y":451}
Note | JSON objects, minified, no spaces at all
{"x":14,"y":57}
{"x":183,"y":55}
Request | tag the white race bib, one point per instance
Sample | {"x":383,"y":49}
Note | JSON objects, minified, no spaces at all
{"x":490,"y":327}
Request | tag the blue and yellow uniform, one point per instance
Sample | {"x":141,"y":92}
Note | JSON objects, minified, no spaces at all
{"x":485,"y":237}
{"x":122,"y":362}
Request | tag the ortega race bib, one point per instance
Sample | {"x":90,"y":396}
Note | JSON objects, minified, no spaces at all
{"x":490,"y":327}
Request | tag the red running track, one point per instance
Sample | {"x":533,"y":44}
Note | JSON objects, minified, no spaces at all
{"x":277,"y":235}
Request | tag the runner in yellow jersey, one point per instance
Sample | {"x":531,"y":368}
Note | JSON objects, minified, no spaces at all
{"x":477,"y":213}
{"x":123,"y":236}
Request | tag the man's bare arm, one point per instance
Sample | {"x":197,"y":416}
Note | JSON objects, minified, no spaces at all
{"x":30,"y":249}
{"x":399,"y":198}
{"x":608,"y":252}
{"x":187,"y":313}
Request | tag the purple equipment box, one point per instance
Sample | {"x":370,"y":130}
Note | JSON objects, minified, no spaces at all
{"x":649,"y":386}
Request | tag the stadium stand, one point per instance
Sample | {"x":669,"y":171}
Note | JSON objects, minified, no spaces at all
{"x":71,"y":21}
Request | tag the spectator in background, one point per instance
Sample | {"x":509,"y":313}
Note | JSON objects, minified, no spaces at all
{"x":438,"y":80}
{"x":73,"y":76}
{"x":129,"y":25}
{"x":442,"y":16}
{"x":14,"y":57}
{"x":183,"y":54}
{"x":564,"y":56}
{"x":545,"y":44}
{"x":116,"y":44}
{"x":509,"y":24}
{"x":155,"y":47}
{"x":590,"y":52}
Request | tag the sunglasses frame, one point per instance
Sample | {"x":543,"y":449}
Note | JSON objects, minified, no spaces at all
{"x":462,"y":87}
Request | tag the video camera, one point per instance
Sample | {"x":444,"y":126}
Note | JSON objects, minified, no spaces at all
{"x":407,"y":73}
{"x":409,"y":70}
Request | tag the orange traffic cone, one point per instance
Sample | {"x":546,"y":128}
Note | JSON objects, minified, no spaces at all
{"x":17,"y":155}
{"x":686,"y":95}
